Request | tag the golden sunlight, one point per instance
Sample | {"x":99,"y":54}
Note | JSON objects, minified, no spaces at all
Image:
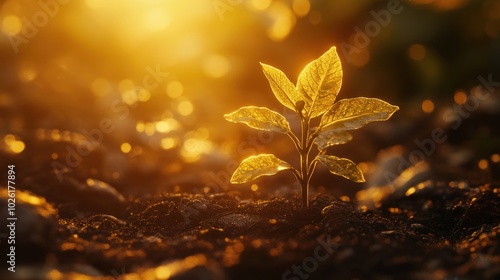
{"x":221,"y":139}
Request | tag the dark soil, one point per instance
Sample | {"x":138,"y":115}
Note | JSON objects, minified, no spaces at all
{"x":438,"y":232}
{"x":438,"y":219}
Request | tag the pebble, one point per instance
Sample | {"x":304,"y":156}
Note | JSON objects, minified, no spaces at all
{"x":240,"y":222}
{"x":36,"y":223}
{"x":94,"y":196}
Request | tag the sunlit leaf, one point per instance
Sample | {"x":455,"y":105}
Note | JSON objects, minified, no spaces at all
{"x":332,"y":137}
{"x":256,"y":166}
{"x":283,"y":89}
{"x":354,"y":113}
{"x":314,"y":95}
{"x":260,"y":118}
{"x":320,"y":82}
{"x":342,"y":167}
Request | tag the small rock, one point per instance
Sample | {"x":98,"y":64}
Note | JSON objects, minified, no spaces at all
{"x":75,"y":192}
{"x":35,"y":226}
{"x":239,"y":222}
{"x":94,"y":196}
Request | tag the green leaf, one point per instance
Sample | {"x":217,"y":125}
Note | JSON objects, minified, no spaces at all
{"x":329,"y":138}
{"x":320,"y":82}
{"x":354,"y":113}
{"x":283,"y":89}
{"x":260,"y":118}
{"x":255,"y":166}
{"x":342,"y":167}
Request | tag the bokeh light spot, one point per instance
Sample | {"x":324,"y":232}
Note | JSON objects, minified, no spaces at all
{"x":495,"y":158}
{"x":410,"y":191}
{"x":427,"y":106}
{"x":150,"y":129}
{"x":260,"y":4}
{"x":275,"y":252}
{"x":256,"y":243}
{"x":175,"y":89}
{"x":168,"y":143}
{"x":167,"y":125}
{"x":301,"y":7}
{"x":416,"y":52}
{"x":27,"y":73}
{"x":185,"y":108}
{"x":283,"y":21}
{"x":55,"y":134}
{"x":140,"y":126}
{"x":125,"y":148}
{"x":14,"y":145}
{"x":216,"y":66}
{"x":194,"y":147}
{"x":162,"y":126}
{"x":483,"y":164}
{"x":12,"y":25}
{"x":460,"y":97}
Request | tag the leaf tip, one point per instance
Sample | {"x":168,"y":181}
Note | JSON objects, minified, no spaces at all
{"x":361,"y":177}
{"x":233,"y":181}
{"x":361,"y":180}
{"x":394,"y":110}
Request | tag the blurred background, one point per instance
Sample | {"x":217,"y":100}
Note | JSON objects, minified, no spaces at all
{"x":131,"y":94}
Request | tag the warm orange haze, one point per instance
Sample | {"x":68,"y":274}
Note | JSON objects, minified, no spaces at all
{"x":120,"y":156}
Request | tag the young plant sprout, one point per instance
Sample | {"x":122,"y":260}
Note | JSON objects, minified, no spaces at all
{"x":314,"y":96}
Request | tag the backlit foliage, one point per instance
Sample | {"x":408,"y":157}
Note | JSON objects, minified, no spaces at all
{"x":313,"y":96}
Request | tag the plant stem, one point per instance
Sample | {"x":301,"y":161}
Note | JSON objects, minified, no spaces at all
{"x":305,"y":193}
{"x":304,"y":163}
{"x":295,"y":140}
